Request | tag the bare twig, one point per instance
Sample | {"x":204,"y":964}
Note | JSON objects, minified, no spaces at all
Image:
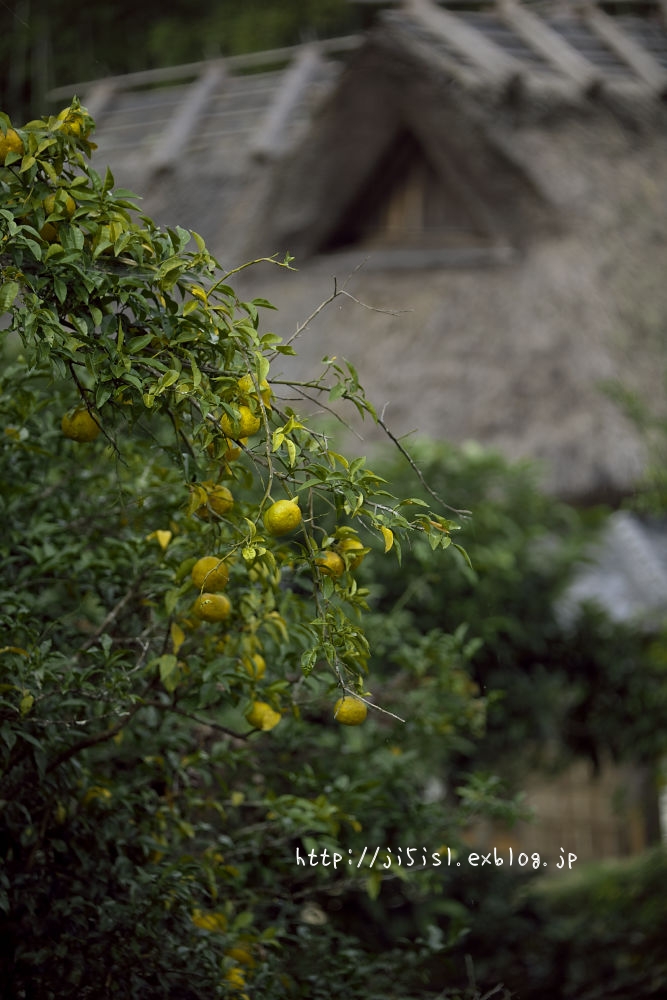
{"x":302,"y":326}
{"x":415,"y":468}
{"x":372,"y":704}
{"x":93,"y":740}
{"x":113,"y":614}
{"x":337,"y":291}
{"x":329,"y":409}
{"x":376,"y":309}
{"x":195,"y":718}
{"x":251,"y":263}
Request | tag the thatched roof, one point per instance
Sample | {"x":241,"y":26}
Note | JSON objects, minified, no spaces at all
{"x":501,"y":180}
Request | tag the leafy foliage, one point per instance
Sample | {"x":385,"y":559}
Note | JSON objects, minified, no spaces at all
{"x":148,"y":832}
{"x":592,"y":933}
{"x":648,"y":417}
{"x":583,"y":687}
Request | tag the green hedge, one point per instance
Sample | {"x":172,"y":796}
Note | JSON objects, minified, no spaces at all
{"x":598,"y":932}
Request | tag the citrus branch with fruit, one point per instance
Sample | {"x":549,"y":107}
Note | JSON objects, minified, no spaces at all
{"x":148,"y":331}
{"x":157,"y":470}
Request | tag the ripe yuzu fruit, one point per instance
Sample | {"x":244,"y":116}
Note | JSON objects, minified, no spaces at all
{"x":79,"y":425}
{"x":347,"y":546}
{"x":210,"y":573}
{"x":350,"y":711}
{"x":330,"y":563}
{"x":11,"y":142}
{"x":260,"y":715}
{"x":247,"y":424}
{"x":282,"y":517}
{"x":219,"y":500}
{"x":212,"y":607}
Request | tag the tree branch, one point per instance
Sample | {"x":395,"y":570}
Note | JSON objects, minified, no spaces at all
{"x":415,"y":468}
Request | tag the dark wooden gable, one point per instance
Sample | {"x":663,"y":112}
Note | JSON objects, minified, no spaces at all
{"x":406,"y":203}
{"x":401,"y":165}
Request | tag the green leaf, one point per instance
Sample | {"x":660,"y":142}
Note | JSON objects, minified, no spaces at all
{"x":71,"y":237}
{"x":7,"y":735}
{"x":8,"y":293}
{"x":171,"y":600}
{"x":269,"y":340}
{"x":60,"y":288}
{"x":26,"y":703}
{"x":102,"y":394}
{"x":464,"y":554}
{"x":308,"y":661}
{"x":336,"y":391}
{"x":201,"y":245}
{"x":137,"y":344}
{"x":167,"y":664}
{"x":374,"y":884}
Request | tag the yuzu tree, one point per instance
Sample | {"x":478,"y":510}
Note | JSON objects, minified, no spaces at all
{"x":150,"y":803}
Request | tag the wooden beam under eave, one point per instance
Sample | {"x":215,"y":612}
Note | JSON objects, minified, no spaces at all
{"x":489,"y":59}
{"x":551,"y":45}
{"x":634,"y":55}
{"x":173,"y":142}
{"x":270,"y":139}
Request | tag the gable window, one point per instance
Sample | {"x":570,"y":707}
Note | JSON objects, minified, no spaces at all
{"x":412,"y":213}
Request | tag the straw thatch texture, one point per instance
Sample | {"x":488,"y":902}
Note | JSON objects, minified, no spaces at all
{"x":546,"y":278}
{"x":513,"y":355}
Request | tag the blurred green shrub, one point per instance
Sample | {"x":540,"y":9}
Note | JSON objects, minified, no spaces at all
{"x":597,"y":932}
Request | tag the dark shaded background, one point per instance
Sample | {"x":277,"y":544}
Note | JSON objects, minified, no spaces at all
{"x":51,"y":43}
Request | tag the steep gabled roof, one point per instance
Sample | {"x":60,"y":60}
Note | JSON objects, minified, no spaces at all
{"x":551,"y":165}
{"x":388,"y":100}
{"x":196,"y":135}
{"x":189,"y":137}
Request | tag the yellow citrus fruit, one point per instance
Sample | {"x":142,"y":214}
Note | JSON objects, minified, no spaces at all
{"x":241,"y":955}
{"x":73,"y":123}
{"x":79,"y":425}
{"x":330,"y":563}
{"x":246,"y":425}
{"x":66,"y":204}
{"x":348,"y":545}
{"x":255,"y":665}
{"x":211,"y":573}
{"x":209,"y":921}
{"x":212,"y":607}
{"x":282,"y":517}
{"x":49,"y":232}
{"x":10,"y":143}
{"x":233,"y":450}
{"x":350,"y":711}
{"x":260,"y":715}
{"x":219,"y":500}
{"x":235,"y":977}
{"x":246,"y":385}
